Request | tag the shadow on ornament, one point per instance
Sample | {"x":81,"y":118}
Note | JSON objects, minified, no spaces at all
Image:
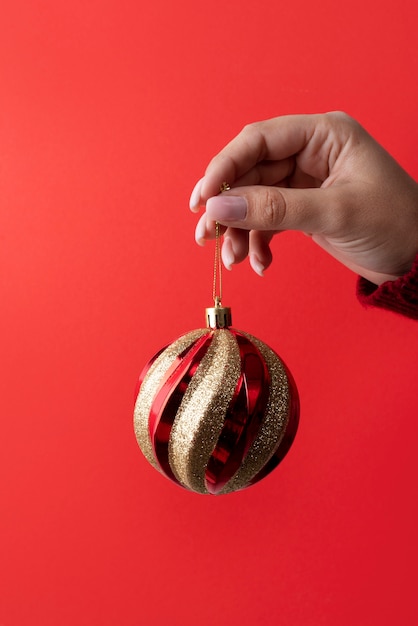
{"x":217,"y":410}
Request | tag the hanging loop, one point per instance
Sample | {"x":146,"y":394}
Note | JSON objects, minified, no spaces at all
{"x":217,"y":267}
{"x":218,"y":316}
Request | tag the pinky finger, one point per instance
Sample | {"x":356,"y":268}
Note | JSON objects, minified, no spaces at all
{"x":259,"y":250}
{"x":235,"y":246}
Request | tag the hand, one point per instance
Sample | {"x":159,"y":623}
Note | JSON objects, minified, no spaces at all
{"x":323,"y":175}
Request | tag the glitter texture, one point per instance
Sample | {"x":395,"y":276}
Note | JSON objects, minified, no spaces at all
{"x":217,"y":411}
{"x":150,"y":387}
{"x":273,"y":426}
{"x":201,"y":415}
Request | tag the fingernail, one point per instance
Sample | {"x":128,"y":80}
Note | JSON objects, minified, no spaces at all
{"x":227,"y":208}
{"x":200,"y":232}
{"x":256,"y":264}
{"x":228,"y":256}
{"x":195,"y":197}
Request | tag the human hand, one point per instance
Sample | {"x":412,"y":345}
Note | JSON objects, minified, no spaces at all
{"x":323,"y":175}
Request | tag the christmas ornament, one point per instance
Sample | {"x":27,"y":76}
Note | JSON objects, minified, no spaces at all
{"x":217,"y":410}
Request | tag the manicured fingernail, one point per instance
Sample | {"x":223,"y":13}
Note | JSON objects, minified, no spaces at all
{"x":226,"y":208}
{"x":228,"y":256}
{"x":195,"y":197}
{"x":200,"y":232}
{"x":256,"y":264}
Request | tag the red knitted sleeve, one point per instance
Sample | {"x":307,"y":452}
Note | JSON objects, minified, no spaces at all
{"x":400,"y":296}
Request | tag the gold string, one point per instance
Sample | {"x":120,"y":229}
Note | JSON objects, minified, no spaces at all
{"x":217,"y":266}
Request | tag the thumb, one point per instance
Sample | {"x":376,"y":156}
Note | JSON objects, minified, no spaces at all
{"x":272,"y":208}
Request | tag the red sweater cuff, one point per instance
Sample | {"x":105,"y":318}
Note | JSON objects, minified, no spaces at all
{"x":399,"y":296}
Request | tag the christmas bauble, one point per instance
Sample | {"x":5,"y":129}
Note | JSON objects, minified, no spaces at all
{"x":217,"y":410}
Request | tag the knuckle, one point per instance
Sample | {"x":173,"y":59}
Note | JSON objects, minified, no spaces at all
{"x":272,"y":209}
{"x":250,"y":131}
{"x":340,"y":118}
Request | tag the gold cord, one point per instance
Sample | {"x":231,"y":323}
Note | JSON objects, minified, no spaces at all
{"x":217,"y":266}
{"x":217,"y":269}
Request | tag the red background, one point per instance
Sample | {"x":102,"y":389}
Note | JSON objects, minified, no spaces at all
{"x":109,"y":113}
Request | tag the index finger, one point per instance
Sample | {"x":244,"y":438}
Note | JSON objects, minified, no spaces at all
{"x":271,"y":140}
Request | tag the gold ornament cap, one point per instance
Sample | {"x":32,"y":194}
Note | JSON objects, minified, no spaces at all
{"x":218,"y":316}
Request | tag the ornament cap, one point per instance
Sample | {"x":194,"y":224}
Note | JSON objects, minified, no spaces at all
{"x":218,"y":316}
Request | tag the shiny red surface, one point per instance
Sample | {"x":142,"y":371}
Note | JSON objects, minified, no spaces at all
{"x":145,"y":370}
{"x":243,"y":418}
{"x":169,"y":396}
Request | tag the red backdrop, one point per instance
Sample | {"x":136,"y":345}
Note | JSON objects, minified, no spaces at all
{"x":109,"y":112}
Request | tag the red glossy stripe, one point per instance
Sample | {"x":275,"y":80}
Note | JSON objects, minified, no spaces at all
{"x":289,"y":435}
{"x":145,"y":370}
{"x":169,"y":396}
{"x":243,"y":418}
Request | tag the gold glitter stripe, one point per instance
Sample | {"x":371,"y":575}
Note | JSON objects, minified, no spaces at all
{"x":201,"y":415}
{"x":150,"y":386}
{"x":273,"y":426}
